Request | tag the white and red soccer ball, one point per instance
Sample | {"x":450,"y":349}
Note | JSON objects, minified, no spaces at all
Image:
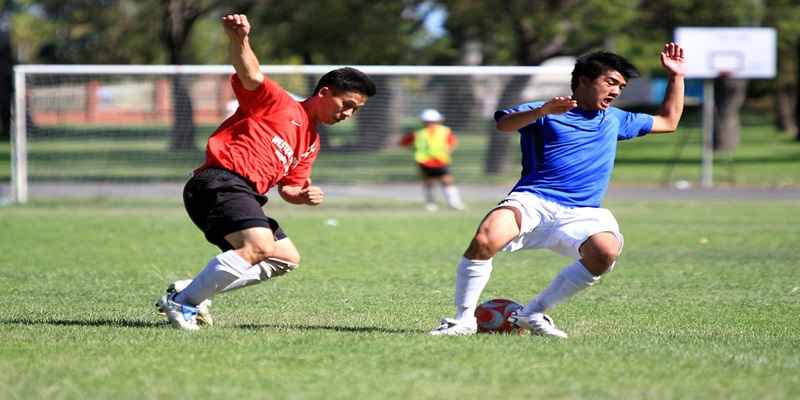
{"x":493,"y":316}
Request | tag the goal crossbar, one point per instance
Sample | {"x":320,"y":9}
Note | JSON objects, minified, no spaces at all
{"x":285,"y":69}
{"x":19,"y":136}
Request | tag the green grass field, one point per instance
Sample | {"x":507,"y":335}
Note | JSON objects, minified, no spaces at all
{"x":704,"y":304}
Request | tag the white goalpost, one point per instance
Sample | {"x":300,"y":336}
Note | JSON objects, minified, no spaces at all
{"x":104,"y":125}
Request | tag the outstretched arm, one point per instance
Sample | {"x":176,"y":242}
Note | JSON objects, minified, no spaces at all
{"x":242,"y":56}
{"x":514,"y":122}
{"x":672,"y":107}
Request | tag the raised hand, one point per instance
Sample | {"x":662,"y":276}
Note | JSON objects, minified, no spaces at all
{"x":236,"y":26}
{"x":672,"y":59}
{"x":559,"y":105}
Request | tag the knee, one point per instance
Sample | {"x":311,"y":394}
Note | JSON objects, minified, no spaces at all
{"x":257,"y":251}
{"x":607,"y":256}
{"x":482,"y":246}
{"x":600,"y":261}
{"x":600,"y":253}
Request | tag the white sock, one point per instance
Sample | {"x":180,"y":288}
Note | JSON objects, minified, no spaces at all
{"x":220,"y":272}
{"x":263,"y":271}
{"x":427,"y":191}
{"x":453,"y":197}
{"x":571,"y":280}
{"x":250,"y":277}
{"x":471,"y":278}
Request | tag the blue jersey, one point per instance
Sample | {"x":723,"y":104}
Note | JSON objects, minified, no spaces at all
{"x":568,"y":158}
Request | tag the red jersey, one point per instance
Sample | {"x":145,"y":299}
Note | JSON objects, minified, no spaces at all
{"x":269,"y":140}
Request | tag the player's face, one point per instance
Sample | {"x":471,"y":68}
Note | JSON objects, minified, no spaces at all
{"x":601,"y":92}
{"x":337,"y":107}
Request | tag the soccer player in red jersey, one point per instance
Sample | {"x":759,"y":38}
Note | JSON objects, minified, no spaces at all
{"x":271,"y":140}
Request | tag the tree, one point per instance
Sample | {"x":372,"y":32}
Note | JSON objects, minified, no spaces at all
{"x":77,"y":32}
{"x":348,"y":32}
{"x":729,"y":93}
{"x":513,"y":32}
{"x":178,"y":19}
{"x":6,"y":68}
{"x":783,"y":15}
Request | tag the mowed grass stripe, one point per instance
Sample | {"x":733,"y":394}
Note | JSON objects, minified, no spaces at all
{"x":703,"y":304}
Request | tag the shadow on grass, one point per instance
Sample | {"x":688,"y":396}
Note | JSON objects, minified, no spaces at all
{"x":350,"y":329}
{"x":127,"y":323}
{"x":120,"y":323}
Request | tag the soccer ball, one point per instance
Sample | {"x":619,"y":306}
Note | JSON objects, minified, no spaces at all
{"x":492,"y":316}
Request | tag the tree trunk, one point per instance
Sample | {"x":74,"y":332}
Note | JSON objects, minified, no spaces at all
{"x":797,"y":88}
{"x":460,"y":114}
{"x":380,"y":118}
{"x":729,"y":95}
{"x":785,"y":98}
{"x":6,"y":71}
{"x":179,"y":16}
{"x":183,"y":128}
{"x":786,"y":91}
{"x":497,"y":152}
{"x":311,"y":84}
{"x":457,"y":102}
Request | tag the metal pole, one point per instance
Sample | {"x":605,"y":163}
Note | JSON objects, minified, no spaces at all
{"x":19,"y":145}
{"x":707,"y":173}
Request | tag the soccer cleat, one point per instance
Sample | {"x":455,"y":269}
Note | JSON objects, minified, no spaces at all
{"x":181,"y":316}
{"x":539,"y":324}
{"x":452,"y":327}
{"x":204,"y":313}
{"x":458,"y":206}
{"x":431,"y":207}
{"x":203,"y":309}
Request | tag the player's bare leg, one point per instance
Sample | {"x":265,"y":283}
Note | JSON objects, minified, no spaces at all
{"x":285,"y":258}
{"x":598,"y":254}
{"x":256,"y":257}
{"x":498,"y":228}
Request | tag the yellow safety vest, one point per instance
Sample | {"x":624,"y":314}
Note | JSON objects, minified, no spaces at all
{"x":431,"y":144}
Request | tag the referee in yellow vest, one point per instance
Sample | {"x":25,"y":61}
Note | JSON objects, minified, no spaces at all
{"x":432,"y":145}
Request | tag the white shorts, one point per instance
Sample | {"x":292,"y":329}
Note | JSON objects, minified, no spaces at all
{"x":549,"y":225}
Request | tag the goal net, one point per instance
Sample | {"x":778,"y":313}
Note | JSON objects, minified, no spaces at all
{"x":87,"y":130}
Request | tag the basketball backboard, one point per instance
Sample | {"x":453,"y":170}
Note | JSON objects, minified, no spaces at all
{"x":734,"y":52}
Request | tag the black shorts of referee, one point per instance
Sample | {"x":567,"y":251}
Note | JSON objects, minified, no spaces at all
{"x":435,"y":172}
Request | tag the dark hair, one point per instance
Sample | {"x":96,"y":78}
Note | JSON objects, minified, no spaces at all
{"x":347,"y":80}
{"x":594,"y":64}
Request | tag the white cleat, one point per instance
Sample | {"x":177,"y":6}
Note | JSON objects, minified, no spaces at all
{"x":457,"y":205}
{"x":181,"y":316}
{"x":539,"y":324}
{"x":203,"y":309}
{"x":204,"y":313}
{"x":452,"y":327}
{"x":431,"y":207}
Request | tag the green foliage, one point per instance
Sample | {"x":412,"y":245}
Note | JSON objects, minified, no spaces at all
{"x":345,"y":32}
{"x":702,"y":305}
{"x":517,"y":33}
{"x":90,"y":32}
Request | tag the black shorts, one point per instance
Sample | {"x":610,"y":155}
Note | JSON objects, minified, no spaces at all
{"x":221,"y":202}
{"x":429,"y":172}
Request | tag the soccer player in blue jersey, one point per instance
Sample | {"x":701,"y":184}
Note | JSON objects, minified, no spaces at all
{"x":568,"y":148}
